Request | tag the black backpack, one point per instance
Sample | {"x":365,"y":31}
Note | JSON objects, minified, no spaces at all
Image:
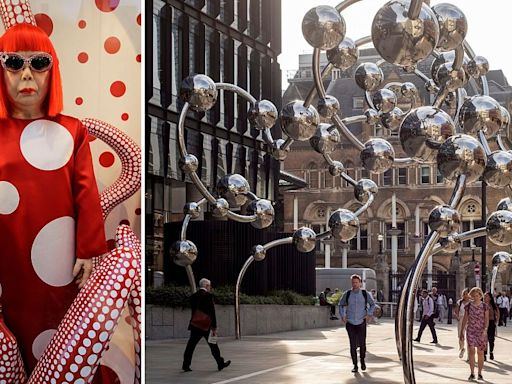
{"x":365,"y":295}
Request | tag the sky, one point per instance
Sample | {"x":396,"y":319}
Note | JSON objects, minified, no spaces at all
{"x":489,"y":23}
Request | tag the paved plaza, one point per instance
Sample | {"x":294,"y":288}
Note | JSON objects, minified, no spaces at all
{"x":322,"y":356}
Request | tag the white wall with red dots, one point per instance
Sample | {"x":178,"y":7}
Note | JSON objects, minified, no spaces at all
{"x":98,"y":43}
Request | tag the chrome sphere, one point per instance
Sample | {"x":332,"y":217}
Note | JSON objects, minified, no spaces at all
{"x":199,"y":91}
{"x":220,"y":208}
{"x":183,"y":252}
{"x":450,"y":78}
{"x":481,"y":113}
{"x":501,"y":259}
{"x":299,"y":122}
{"x":408,"y":90}
{"x":336,"y":168}
{"x":277,"y":152}
{"x":363,"y":189}
{"x":423,"y":130}
{"x":498,"y":171}
{"x":402,"y":41}
{"x":258,"y":252}
{"x":188,"y":164}
{"x":384,"y":100}
{"x":325,"y":139}
{"x":451,"y":243}
{"x":323,"y":27}
{"x":505,"y":117}
{"x":431,"y":86}
{"x":392,"y":120}
{"x":505,"y":204}
{"x":192,"y":209}
{"x":461,"y":154}
{"x":264,"y":212}
{"x":368,"y":76}
{"x":234,"y":189}
{"x":453,"y":26}
{"x":262,"y":114}
{"x":444,"y":219}
{"x":328,"y":106}
{"x":304,"y":239}
{"x":445,"y":58}
{"x":499,"y":228}
{"x":344,"y":224}
{"x":377,"y":155}
{"x":344,"y":55}
{"x":372,"y":116}
{"x":477,"y":67}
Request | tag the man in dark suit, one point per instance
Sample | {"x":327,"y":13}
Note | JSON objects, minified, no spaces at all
{"x":202,"y":300}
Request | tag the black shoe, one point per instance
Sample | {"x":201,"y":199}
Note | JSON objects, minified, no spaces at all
{"x":480,"y":377}
{"x":485,"y":357}
{"x":416,"y":339}
{"x":492,"y":356}
{"x":363,"y":365}
{"x":186,"y":369}
{"x":471,"y":377}
{"x":354,"y":370}
{"x":224,"y":365}
{"x":433,"y":342}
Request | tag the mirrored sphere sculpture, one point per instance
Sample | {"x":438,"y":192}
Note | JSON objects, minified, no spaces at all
{"x":344,"y":55}
{"x":377,"y":155}
{"x":192,"y":209}
{"x":453,"y":26}
{"x":188,"y":164}
{"x":481,"y":113}
{"x":183,"y":252}
{"x":444,"y":219}
{"x":234,"y":189}
{"x":368,"y":76}
{"x":325,"y":139}
{"x":299,"y":122}
{"x":328,"y":106}
{"x":220,"y":208}
{"x":363,"y":189}
{"x":499,"y":228}
{"x":264,"y":212}
{"x":391,"y":120}
{"x":451,"y":243}
{"x":304,"y":239}
{"x":498,"y":171}
{"x":323,"y":27}
{"x":505,"y":204}
{"x":336,"y":168}
{"x":258,"y":252}
{"x":344,"y":224}
{"x":262,"y":114}
{"x":384,"y":100}
{"x":199,"y":91}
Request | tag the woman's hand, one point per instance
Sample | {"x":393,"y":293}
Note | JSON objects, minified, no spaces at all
{"x":81,"y":271}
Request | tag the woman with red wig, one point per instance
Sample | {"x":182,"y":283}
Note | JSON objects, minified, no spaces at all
{"x":50,"y":216}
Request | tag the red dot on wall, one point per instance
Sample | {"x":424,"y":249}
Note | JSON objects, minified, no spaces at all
{"x":112,"y":45}
{"x":44,"y":22}
{"x":79,"y":101}
{"x":83,"y":57}
{"x":111,"y":244}
{"x":138,"y":211}
{"x":107,"y":5}
{"x":125,"y":222}
{"x":117,"y":88}
{"x":139,"y":19}
{"x":82,"y":24}
{"x":138,"y":58}
{"x":125,"y":116}
{"x":106,"y":159}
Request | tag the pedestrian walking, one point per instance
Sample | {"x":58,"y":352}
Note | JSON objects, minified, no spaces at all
{"x":323,"y":298}
{"x":460,"y":308}
{"x":442,"y":306}
{"x":203,"y":323}
{"x":428,"y":317}
{"x":356,"y":309}
{"x":494,"y":315}
{"x":503,"y":304}
{"x":476,"y":323}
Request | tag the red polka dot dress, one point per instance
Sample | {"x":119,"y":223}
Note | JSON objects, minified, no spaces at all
{"x":49,"y":215}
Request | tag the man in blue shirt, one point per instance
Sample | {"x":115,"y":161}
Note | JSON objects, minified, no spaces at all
{"x":356,"y":307}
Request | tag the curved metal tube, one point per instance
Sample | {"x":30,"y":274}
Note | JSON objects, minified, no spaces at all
{"x":501,"y":144}
{"x":345,"y":4}
{"x":236,"y":89}
{"x":483,"y":141}
{"x":323,"y":235}
{"x":349,"y":135}
{"x":348,"y":179}
{"x":241,"y":218}
{"x":186,"y":220}
{"x":365,"y":206}
{"x":441,"y":95}
{"x":458,"y":191}
{"x":181,"y":130}
{"x":202,"y":189}
{"x":318,"y":88}
{"x":414,"y":9}
{"x":288,"y":142}
{"x":353,"y":119}
{"x":494,"y":275}
{"x":459,"y":58}
{"x":191,"y":278}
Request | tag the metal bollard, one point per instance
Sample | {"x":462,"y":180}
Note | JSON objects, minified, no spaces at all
{"x":450,"y":310}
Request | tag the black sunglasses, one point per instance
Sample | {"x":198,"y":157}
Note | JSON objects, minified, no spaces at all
{"x":13,"y":62}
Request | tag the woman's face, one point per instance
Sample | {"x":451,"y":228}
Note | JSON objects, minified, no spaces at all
{"x":27,"y":89}
{"x":476,"y":296}
{"x":487,"y":298}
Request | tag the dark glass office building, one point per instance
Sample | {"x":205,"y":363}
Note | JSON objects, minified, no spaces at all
{"x":237,"y":42}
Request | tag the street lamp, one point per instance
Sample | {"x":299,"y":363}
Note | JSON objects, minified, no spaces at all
{"x":381,"y":239}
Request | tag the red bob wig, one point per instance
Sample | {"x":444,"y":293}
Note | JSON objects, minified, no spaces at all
{"x":27,"y":37}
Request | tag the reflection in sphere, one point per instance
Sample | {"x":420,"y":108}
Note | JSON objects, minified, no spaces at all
{"x":408,"y":89}
{"x":377,"y":155}
{"x":345,"y":55}
{"x":299,"y":122}
{"x":445,"y":58}
{"x":183,"y":252}
{"x":444,"y":219}
{"x":481,"y":112}
{"x":363,"y":189}
{"x":372,"y":116}
{"x":368,"y":76}
{"x":199,"y":91}
{"x":304,"y":239}
{"x":264,"y":212}
{"x":343,"y":224}
{"x":188,"y":164}
{"x":431,"y":86}
{"x":262,"y":114}
{"x":336,"y":168}
{"x":277,"y":152}
{"x":451,"y":243}
{"x":499,"y":228}
{"x":423,"y":130}
{"x":477,"y":67}
{"x":505,"y":204}
{"x":258,"y":252}
{"x":453,"y":26}
{"x":505,"y":117}
{"x":384,"y":100}
{"x":323,"y":27}
{"x":325,"y":139}
{"x":234,"y":189}
{"x":400,"y":40}
{"x":500,"y":260}
{"x":192,"y":209}
{"x":220,"y":208}
{"x":392,"y":120}
{"x":450,"y":78}
{"x":461,"y":155}
{"x":328,"y":106}
{"x":498,"y":171}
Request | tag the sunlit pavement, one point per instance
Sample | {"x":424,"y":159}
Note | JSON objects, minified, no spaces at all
{"x":322,"y":356}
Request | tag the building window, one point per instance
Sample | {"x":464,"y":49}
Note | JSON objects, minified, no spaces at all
{"x":335,"y":74}
{"x":439,"y":177}
{"x":378,"y":130}
{"x":388,"y":177}
{"x":424,"y":175}
{"x":357,"y":103}
{"x":402,"y":176}
{"x":360,"y":242}
{"x":400,"y":237}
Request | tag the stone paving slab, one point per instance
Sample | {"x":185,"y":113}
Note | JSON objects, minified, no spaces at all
{"x":321,"y":356}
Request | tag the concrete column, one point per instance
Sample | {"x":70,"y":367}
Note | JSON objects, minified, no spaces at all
{"x":394,"y":241}
{"x":417,"y":232}
{"x":344,"y":253}
{"x":471,"y":227}
{"x":327,"y":254}
{"x":295,"y":212}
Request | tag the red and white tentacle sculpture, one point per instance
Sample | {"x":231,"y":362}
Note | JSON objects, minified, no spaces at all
{"x":11,"y":365}
{"x":15,"y":12}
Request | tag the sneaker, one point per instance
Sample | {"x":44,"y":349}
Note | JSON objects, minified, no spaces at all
{"x":416,"y":339}
{"x":433,"y":342}
{"x":471,"y":377}
{"x":485,"y":357}
{"x":461,"y":352}
{"x":480,"y":377}
{"x":492,"y":356}
{"x":354,"y":370}
{"x":363,"y":365}
{"x":186,"y":369}
{"x":224,"y":365}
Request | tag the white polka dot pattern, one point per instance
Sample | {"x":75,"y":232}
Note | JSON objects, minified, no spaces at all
{"x":16,"y":11}
{"x":41,"y":342}
{"x":84,"y":334}
{"x":9,"y":198}
{"x":11,"y":365}
{"x":129,"y":153}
